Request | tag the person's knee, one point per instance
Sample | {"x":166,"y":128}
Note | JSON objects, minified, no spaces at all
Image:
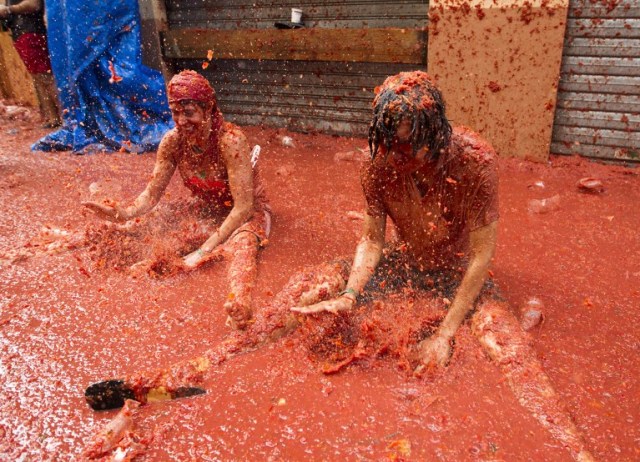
{"x":493,"y":316}
{"x":244,"y":241}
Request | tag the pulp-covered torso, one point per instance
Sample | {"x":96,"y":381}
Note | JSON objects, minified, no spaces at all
{"x":206,"y":175}
{"x":435,"y":207}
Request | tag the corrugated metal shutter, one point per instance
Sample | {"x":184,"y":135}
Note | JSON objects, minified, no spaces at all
{"x":598,"y":110}
{"x":256,"y":14}
{"x":331,"y":96}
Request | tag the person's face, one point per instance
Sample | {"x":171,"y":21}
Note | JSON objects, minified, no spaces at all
{"x":191,"y":119}
{"x":403,"y":132}
{"x":401,"y":156}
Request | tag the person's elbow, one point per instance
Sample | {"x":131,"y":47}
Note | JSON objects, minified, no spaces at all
{"x":483,"y":245}
{"x":482,"y":260}
{"x":485,"y":254}
{"x":244,"y":208}
{"x":372,"y":243}
{"x":31,"y":6}
{"x":147,"y":201}
{"x":373,"y":232}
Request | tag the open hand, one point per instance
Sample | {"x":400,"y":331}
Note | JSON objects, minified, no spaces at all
{"x":141,"y":268}
{"x":108,"y":210}
{"x":342,"y":303}
{"x":434,"y":351}
{"x":239,"y":313}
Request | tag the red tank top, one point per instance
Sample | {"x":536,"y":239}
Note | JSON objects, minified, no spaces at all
{"x":212,"y":189}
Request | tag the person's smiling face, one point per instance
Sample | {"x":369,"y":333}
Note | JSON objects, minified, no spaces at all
{"x":191,"y":119}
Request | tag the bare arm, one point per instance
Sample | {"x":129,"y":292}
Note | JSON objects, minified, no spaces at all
{"x":368,"y":254}
{"x":483,"y":246}
{"x":437,"y":348}
{"x":162,"y":172}
{"x":235,"y":152}
{"x":24,"y":7}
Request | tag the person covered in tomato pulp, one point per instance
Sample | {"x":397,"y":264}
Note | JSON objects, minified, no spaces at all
{"x":439,"y":186}
{"x":214,"y":162}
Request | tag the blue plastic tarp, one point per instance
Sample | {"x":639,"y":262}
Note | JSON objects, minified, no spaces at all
{"x":87,"y":38}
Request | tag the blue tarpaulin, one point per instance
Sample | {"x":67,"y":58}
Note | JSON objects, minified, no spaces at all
{"x":89,"y":42}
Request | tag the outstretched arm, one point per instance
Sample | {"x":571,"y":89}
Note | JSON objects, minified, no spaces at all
{"x":366,"y":260}
{"x":436,"y":349}
{"x":235,"y":153}
{"x":147,"y":200}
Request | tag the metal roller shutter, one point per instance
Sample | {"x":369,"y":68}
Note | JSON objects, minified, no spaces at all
{"x":327,"y":94}
{"x":598,"y":110}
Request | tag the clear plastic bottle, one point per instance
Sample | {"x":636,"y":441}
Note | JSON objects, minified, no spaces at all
{"x":547,"y":205}
{"x":288,"y":142}
{"x":531,"y":313}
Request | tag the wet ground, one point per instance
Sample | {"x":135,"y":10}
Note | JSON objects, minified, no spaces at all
{"x":64,"y":323}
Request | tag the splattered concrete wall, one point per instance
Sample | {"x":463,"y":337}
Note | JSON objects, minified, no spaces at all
{"x":498,"y":65}
{"x":15,"y":81}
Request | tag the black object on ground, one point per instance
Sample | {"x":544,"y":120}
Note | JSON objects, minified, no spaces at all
{"x":111,"y":394}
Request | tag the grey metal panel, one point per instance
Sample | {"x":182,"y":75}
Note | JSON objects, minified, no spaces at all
{"x":600,"y":137}
{"x":596,"y":151}
{"x":314,"y":102}
{"x":599,"y":120}
{"x":248,"y":14}
{"x":301,"y":95}
{"x":606,"y":28}
{"x":598,"y":102}
{"x":598,"y":108}
{"x":604,"y":47}
{"x":604,"y":9}
{"x":229,"y":19}
{"x":601,"y":65}
{"x":330,"y":96}
{"x":602,"y":84}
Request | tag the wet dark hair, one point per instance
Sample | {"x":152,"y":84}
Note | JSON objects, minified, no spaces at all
{"x":413,"y":96}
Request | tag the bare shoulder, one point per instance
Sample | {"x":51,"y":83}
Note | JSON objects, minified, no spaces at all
{"x":169,"y":145}
{"x":472,"y":149}
{"x":371,"y":168}
{"x":376,"y":171}
{"x":232,"y":137}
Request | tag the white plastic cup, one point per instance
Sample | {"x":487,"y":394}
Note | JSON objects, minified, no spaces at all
{"x":296,"y":15}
